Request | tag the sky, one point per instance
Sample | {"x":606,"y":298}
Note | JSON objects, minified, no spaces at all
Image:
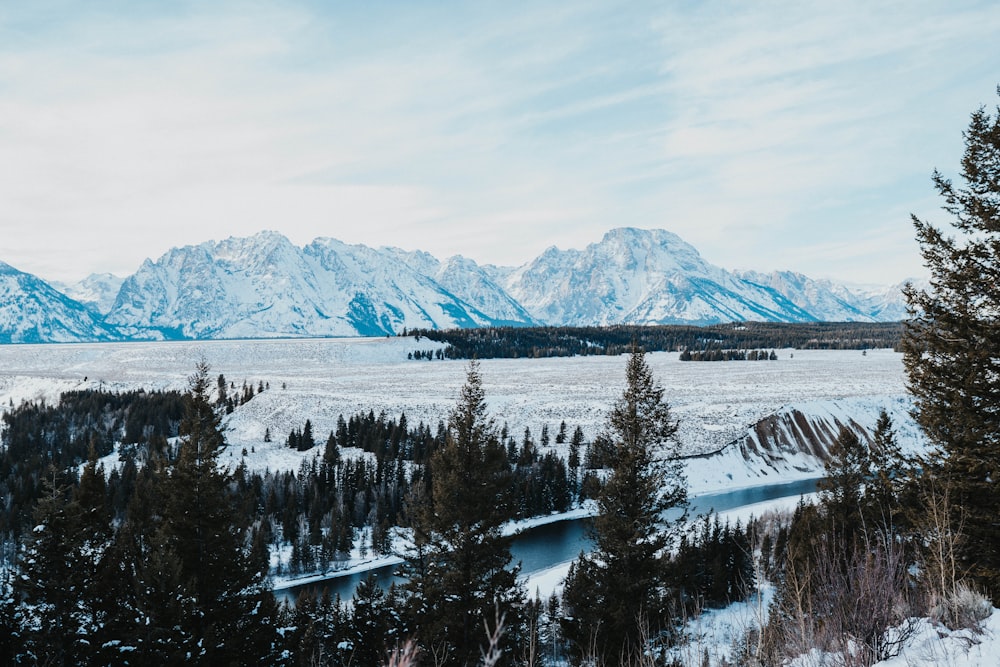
{"x":781,"y":135}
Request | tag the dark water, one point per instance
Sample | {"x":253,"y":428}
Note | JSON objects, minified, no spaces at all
{"x":544,"y":546}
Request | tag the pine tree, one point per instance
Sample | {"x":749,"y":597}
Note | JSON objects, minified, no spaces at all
{"x":889,"y":471}
{"x":306,"y":439}
{"x":46,"y":582}
{"x":10,"y":629}
{"x":96,"y":581}
{"x":370,"y":623}
{"x":460,"y":572}
{"x":847,"y":470}
{"x":227,"y":609}
{"x":951,"y":345}
{"x":617,"y":592}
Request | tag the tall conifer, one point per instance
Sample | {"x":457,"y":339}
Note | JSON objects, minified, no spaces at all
{"x":952,"y":345}
{"x":213,"y":578}
{"x":617,"y":595}
{"x":460,"y":569}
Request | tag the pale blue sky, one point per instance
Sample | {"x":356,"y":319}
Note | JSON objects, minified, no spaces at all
{"x":771,"y":135}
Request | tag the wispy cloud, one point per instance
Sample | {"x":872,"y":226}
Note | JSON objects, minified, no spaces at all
{"x":764,"y":133}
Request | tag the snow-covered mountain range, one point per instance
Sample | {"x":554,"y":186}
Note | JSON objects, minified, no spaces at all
{"x":263,"y":286}
{"x":32,"y":311}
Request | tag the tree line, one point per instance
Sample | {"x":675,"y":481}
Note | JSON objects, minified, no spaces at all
{"x":719,"y":354}
{"x":539,"y":342}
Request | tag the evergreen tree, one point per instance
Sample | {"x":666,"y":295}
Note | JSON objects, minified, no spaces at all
{"x":331,"y":452}
{"x":370,"y":623}
{"x":847,"y":470}
{"x":460,"y":572}
{"x":227,"y":609}
{"x":306,"y":439}
{"x":620,"y":590}
{"x":47,"y":584}
{"x":889,"y":471}
{"x":573,"y":459}
{"x":10,"y":629}
{"x":96,"y":581}
{"x":951,"y":345}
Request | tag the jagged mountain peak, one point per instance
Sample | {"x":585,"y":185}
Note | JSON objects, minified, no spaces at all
{"x":97,"y":291}
{"x":652,"y":249}
{"x":263,"y":285}
{"x":653,"y":276}
{"x":32,"y":311}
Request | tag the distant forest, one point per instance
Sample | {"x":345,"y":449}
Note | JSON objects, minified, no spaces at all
{"x":538,"y":342}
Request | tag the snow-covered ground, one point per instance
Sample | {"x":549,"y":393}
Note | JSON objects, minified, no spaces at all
{"x":322,"y":379}
{"x":936,"y":646}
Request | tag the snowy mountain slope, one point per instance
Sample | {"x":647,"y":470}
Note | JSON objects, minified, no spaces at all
{"x":97,"y":291}
{"x":834,"y":302}
{"x":263,"y":286}
{"x":795,"y":440}
{"x":476,"y":285}
{"x":887,"y":303}
{"x":465,"y":278}
{"x":815,"y":296}
{"x":388,"y":296}
{"x":642,"y":277}
{"x":254,"y":286}
{"x":32,"y":311}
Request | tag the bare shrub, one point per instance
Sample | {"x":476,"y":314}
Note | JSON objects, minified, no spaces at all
{"x":963,"y":608}
{"x":860,"y":595}
{"x":846,"y":598}
{"x":940,"y":540}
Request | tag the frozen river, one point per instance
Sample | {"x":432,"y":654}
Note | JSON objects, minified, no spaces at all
{"x":544,"y":547}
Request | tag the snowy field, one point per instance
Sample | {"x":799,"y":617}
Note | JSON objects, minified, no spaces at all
{"x":322,"y":379}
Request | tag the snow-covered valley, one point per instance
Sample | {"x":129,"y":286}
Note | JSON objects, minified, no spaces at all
{"x":744,"y":424}
{"x":717,"y":404}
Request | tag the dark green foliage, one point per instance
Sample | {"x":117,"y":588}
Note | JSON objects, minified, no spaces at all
{"x":157,"y":529}
{"x":952,"y":345}
{"x":535,"y":342}
{"x":893,"y":488}
{"x":302,"y":440}
{"x":715,"y":353}
{"x":316,"y":632}
{"x":48,"y":583}
{"x":375,"y":623}
{"x":713,"y":566}
{"x":179,"y":579}
{"x":11,"y":639}
{"x":460,"y":572}
{"x":622,"y":586}
{"x":841,"y":490}
{"x":228,"y":609}
{"x":37,"y":435}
